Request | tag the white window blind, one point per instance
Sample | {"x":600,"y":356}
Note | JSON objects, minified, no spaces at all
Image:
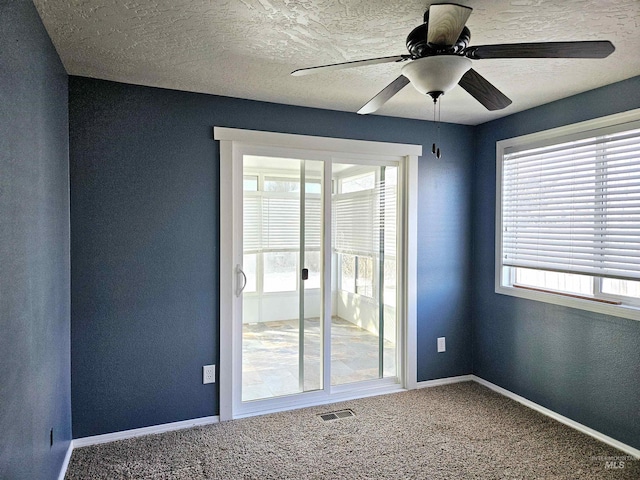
{"x":354,"y":215}
{"x":280,"y":222}
{"x":313,"y":222}
{"x":390,"y":220}
{"x":574,"y":206}
{"x":252,"y":213}
{"x":358,"y":223}
{"x":272,"y":221}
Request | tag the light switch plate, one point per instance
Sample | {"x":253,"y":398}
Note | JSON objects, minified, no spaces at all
{"x":441,"y":344}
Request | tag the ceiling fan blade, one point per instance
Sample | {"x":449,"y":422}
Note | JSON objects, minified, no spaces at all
{"x":588,"y":49}
{"x":480,"y":89}
{"x":446,"y":22}
{"x":356,"y":63}
{"x":385,"y":94}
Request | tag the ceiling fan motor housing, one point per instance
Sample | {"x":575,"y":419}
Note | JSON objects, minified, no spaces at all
{"x":419,"y":47}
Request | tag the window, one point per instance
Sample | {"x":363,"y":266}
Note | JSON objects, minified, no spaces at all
{"x":347,"y":272}
{"x":271,"y":210}
{"x":280,"y":272}
{"x":250,"y":183}
{"x":568,"y":216}
{"x":358,"y":183}
{"x":249,"y":264}
{"x":364,"y":276}
{"x":313,"y":263}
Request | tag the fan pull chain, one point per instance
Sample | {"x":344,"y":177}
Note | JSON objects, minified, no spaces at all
{"x":438,"y":149}
{"x":434,"y":148}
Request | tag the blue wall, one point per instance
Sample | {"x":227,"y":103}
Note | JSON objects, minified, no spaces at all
{"x":144,"y":239}
{"x":35,"y":385}
{"x":580,"y":364}
{"x":144,"y":204}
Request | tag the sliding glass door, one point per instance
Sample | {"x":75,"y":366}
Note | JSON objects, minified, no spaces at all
{"x":319,"y":276}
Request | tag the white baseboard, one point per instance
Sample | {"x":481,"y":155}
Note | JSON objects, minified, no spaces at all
{"x":444,"y":381}
{"x":65,"y":462}
{"x":167,"y":427}
{"x":629,"y":450}
{"x":138,"y":432}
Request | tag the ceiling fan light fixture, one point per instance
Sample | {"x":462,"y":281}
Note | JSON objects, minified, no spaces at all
{"x":436,"y":74}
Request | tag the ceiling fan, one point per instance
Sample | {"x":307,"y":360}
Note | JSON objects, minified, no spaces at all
{"x":440,"y":58}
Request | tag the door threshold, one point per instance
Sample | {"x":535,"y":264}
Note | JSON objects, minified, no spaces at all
{"x":311,"y":399}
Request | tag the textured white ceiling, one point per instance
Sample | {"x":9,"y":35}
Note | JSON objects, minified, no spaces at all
{"x":247,"y":48}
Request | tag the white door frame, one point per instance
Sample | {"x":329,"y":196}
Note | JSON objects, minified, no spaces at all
{"x":232,"y":142}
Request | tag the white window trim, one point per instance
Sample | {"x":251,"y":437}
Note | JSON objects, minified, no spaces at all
{"x":231,"y":140}
{"x":624,"y":311}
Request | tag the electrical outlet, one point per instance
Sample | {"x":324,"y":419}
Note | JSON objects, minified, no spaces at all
{"x":209,"y":374}
{"x":441,"y":344}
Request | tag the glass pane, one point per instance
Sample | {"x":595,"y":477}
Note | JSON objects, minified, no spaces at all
{"x":390,"y":276}
{"x":348,"y":273}
{"x":250,"y":183}
{"x":358,"y":183}
{"x":272,"y":184}
{"x":312,"y":291}
{"x":562,"y":282}
{"x":271,"y":354}
{"x":312,"y":262}
{"x":363,"y":328}
{"x":249,"y":267}
{"x":313,"y":187}
{"x":282,"y":324}
{"x":275,"y":184}
{"x":364,"y":276}
{"x":389,"y":197}
{"x":625,"y":288}
{"x":280,"y":272}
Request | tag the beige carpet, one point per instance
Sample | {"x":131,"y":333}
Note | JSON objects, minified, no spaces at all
{"x":459,"y":431}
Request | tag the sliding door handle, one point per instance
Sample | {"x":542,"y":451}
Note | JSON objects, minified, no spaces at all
{"x":239,"y":288}
{"x":305,"y":274}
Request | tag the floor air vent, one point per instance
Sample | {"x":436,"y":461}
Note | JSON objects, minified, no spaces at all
{"x":337,"y":415}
